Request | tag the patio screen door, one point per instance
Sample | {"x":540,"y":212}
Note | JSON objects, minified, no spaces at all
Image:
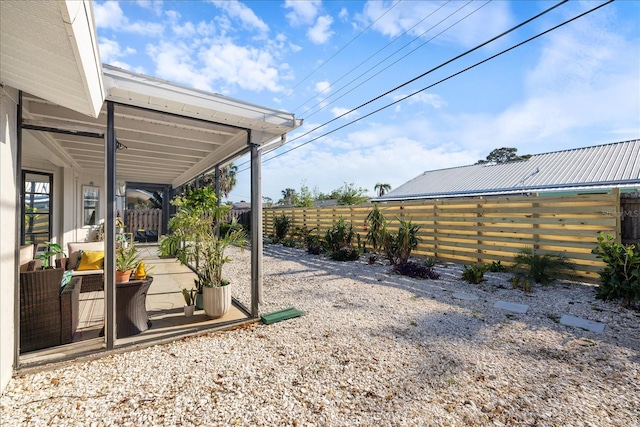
{"x":36,"y":207}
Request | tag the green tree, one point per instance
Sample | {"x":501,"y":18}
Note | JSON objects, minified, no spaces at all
{"x":289,"y":197}
{"x":382,"y":189}
{"x":305,"y":199}
{"x":228,"y":179}
{"x":502,"y":155}
{"x":350,"y":195}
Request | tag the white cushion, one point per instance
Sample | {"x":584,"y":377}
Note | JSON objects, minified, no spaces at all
{"x":75,"y":247}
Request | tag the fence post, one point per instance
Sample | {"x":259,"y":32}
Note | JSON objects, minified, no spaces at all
{"x":479,"y":215}
{"x":616,"y":195}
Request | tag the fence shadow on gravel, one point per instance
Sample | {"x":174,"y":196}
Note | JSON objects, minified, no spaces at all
{"x":478,"y":317}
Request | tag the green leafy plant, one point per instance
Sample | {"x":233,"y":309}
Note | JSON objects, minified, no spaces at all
{"x":474,"y":273}
{"x":339,"y":236}
{"x":345,"y":254}
{"x":194,"y":238}
{"x":398,"y":247}
{"x":377,"y":225}
{"x":127,"y":258}
{"x":51,"y":249}
{"x":281,"y":225}
{"x":497,"y":267}
{"x":620,"y":278}
{"x":189,"y":295}
{"x":530,"y":268}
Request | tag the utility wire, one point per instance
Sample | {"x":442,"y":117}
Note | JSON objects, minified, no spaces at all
{"x":343,"y":47}
{"x":372,"y":55}
{"x":441,"y":81}
{"x":396,"y":61}
{"x":415,"y":79}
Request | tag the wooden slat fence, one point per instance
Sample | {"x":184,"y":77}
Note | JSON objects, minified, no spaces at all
{"x":144,"y":219}
{"x":630,"y":217}
{"x":485,"y":230}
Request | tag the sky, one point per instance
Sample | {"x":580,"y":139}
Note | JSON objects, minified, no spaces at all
{"x":335,"y":63}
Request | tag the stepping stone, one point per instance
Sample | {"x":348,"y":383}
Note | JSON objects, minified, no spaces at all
{"x":466,"y":297}
{"x":512,"y":306}
{"x":579,"y":322}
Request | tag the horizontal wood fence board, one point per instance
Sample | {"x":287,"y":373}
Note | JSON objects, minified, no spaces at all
{"x":484,"y":230}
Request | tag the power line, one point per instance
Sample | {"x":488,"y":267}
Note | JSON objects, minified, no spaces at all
{"x":438,"y":82}
{"x":343,"y":47}
{"x":396,"y":61}
{"x":374,"y":54}
{"x":422,"y":75}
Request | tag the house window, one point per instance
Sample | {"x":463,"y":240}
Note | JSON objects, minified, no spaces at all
{"x":36,"y":196}
{"x":90,"y":198}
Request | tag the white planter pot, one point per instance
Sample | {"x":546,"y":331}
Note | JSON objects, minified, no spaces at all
{"x":216,"y":301}
{"x":189,"y":310}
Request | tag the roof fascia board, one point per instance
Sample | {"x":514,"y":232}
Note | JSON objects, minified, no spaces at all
{"x":78,"y":17}
{"x":157,"y":88}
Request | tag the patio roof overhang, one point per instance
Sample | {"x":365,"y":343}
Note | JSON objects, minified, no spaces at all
{"x":168,"y":133}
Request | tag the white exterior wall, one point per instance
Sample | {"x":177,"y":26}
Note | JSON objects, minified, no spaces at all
{"x":8,"y":244}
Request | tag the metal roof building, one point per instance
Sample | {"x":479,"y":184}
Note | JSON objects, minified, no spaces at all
{"x":581,"y":169}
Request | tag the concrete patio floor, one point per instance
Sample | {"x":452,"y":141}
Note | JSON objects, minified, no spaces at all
{"x":164,"y":304}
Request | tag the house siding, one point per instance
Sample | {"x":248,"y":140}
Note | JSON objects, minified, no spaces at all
{"x":8,"y":244}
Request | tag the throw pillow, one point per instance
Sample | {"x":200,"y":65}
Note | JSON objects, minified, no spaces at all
{"x":75,"y":267}
{"x":66,"y":278}
{"x":91,"y":260}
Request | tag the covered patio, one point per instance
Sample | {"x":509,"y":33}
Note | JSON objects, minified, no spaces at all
{"x":83,"y":131}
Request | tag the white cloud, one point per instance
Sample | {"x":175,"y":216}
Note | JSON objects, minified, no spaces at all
{"x":245,"y":15}
{"x":430,"y":99}
{"x":339,"y":111}
{"x":344,"y":15}
{"x":174,"y":62}
{"x":302,"y":12}
{"x":110,"y":15}
{"x":410,"y":16}
{"x":154,"y":5}
{"x":323,"y":87}
{"x":111,"y":52}
{"x":321,"y":32}
{"x":247,"y":67}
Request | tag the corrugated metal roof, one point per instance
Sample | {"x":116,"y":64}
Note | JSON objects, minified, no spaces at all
{"x":600,"y":166}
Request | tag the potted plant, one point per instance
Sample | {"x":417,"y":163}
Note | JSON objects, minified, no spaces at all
{"x":50,"y":250}
{"x":189,"y":300}
{"x":196,"y":242}
{"x":127,"y":260}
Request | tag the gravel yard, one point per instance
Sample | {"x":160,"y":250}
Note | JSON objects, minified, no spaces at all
{"x":374,"y":349}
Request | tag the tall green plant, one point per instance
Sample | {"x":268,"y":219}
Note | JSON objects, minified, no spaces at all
{"x":281,"y":225}
{"x":620,"y":278}
{"x":377,"y":225}
{"x":398,"y":247}
{"x":194,"y":238}
{"x":339,"y":236}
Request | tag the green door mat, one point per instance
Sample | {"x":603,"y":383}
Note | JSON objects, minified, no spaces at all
{"x":277,"y":316}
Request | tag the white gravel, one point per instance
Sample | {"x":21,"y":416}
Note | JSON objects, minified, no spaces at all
{"x":374,"y":349}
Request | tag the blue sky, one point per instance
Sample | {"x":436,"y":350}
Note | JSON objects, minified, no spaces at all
{"x":573,"y":87}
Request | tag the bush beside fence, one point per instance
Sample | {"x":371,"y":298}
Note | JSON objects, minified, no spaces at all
{"x":486,"y":229}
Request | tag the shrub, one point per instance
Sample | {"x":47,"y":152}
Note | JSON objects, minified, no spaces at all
{"x":496,"y":267}
{"x":289,"y":242}
{"x":430,"y":262}
{"x":474,"y":273}
{"x":621,"y":276}
{"x":281,"y":225}
{"x":227,"y":228}
{"x":339,"y":236}
{"x":398,"y":247}
{"x":530,"y":267}
{"x":416,"y":270}
{"x":345,"y":254}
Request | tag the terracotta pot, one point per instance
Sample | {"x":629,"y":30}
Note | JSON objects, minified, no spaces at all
{"x":123,"y":276}
{"x":216,"y":301}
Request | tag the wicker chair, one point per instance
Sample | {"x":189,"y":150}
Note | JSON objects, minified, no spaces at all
{"x":92,"y":280}
{"x":48,"y":315}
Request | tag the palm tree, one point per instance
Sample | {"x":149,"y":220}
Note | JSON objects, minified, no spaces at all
{"x":382,"y":189}
{"x":228,"y":179}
